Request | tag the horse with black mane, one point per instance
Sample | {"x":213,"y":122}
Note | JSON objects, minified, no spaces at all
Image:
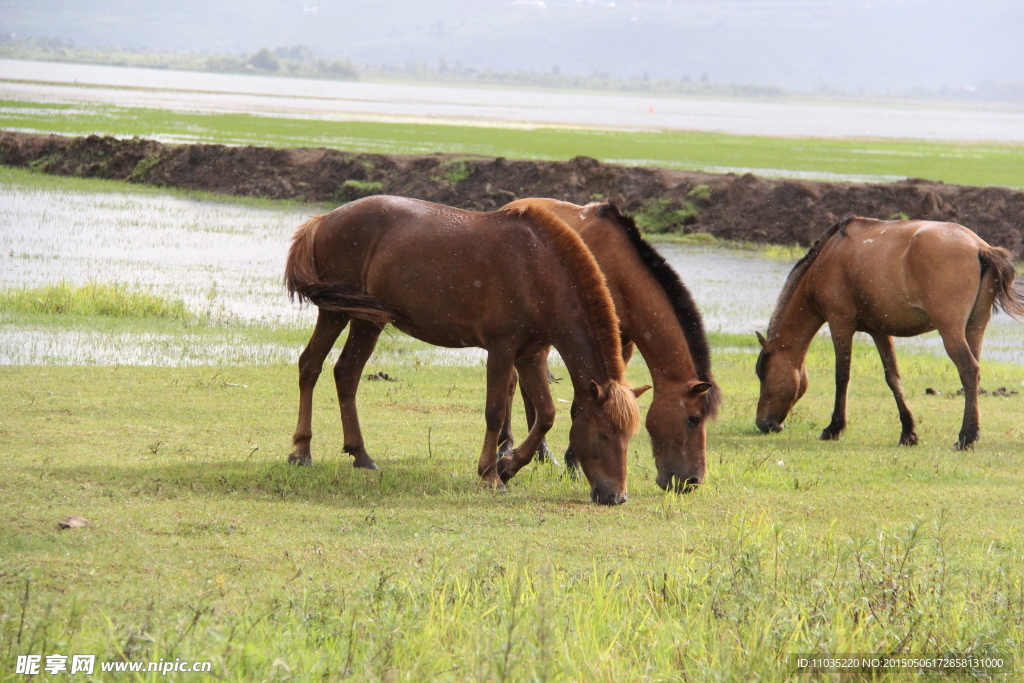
{"x":886,"y":278}
{"x":657,"y":316}
{"x":513,"y":282}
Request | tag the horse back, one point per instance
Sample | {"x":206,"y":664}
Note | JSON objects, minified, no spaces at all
{"x":898,"y":277}
{"x":454,"y":277}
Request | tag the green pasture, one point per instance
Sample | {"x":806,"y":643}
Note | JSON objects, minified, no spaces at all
{"x":205,"y":545}
{"x":952,"y":162}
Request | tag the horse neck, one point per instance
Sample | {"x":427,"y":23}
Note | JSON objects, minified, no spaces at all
{"x":799,"y":323}
{"x":581,"y":351}
{"x":650,"y":321}
{"x":646,"y":314}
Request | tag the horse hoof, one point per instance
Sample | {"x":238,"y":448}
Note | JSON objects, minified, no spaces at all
{"x":964,"y":445}
{"x":367,"y":464}
{"x":545,"y":455}
{"x":908,"y":439}
{"x":829,"y":435}
{"x":300,"y":459}
{"x":505,"y":468}
{"x":497,"y":486}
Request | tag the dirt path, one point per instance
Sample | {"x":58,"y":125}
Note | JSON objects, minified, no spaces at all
{"x":727,"y":206}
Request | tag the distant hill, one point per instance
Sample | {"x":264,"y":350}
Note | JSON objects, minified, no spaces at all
{"x":853,"y":45}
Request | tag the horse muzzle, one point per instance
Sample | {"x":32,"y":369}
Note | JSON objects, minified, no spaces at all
{"x":602,"y":497}
{"x":767,"y":426}
{"x":670,"y":481}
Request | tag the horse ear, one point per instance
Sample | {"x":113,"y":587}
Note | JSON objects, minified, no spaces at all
{"x":599,"y":393}
{"x":762,"y":341}
{"x":639,"y":391}
{"x":700,"y":388}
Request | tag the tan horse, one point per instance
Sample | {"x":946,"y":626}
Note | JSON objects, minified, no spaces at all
{"x":511,"y":282}
{"x":886,"y":278}
{"x":658,"y":316}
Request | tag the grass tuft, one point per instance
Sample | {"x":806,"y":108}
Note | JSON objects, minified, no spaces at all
{"x":91,"y":299}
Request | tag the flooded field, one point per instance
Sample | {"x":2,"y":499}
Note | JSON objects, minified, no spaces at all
{"x":225,"y":262}
{"x":337,"y":100}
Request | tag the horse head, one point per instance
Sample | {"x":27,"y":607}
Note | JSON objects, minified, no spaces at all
{"x":677,"y":422}
{"x":607,"y":417}
{"x":783,"y":381}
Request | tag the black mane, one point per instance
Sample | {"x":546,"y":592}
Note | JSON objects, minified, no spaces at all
{"x":686,"y":311}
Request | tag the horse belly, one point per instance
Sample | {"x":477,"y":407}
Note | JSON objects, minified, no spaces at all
{"x":896,"y":318}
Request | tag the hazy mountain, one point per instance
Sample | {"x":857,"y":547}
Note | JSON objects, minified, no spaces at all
{"x":879,"y":45}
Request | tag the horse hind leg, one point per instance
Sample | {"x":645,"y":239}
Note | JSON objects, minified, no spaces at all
{"x":362,"y":338}
{"x":328,"y":326}
{"x":967,"y":366}
{"x":886,"y":351}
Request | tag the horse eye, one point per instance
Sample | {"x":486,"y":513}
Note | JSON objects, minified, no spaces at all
{"x":693,"y":422}
{"x":602,"y":436}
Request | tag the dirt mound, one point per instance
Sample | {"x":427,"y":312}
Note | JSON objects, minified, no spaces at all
{"x":727,"y":206}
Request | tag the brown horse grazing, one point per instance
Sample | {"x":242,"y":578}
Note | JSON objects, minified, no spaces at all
{"x":886,"y":278}
{"x":511,"y":282}
{"x":658,"y":316}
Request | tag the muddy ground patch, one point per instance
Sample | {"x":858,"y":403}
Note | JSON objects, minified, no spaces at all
{"x":728,"y":206}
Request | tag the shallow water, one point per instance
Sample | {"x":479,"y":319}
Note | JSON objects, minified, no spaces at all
{"x":220,"y":259}
{"x":338,"y":100}
{"x":227,"y":261}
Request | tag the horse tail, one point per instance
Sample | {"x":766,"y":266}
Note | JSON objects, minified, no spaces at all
{"x":1009,"y":293}
{"x":300,"y":268}
{"x":304,"y":283}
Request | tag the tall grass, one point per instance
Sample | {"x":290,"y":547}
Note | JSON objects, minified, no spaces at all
{"x":91,"y":299}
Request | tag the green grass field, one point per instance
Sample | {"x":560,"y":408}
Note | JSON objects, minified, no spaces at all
{"x":205,"y":546}
{"x":961,"y":163}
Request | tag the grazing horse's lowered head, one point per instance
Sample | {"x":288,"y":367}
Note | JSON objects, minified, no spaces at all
{"x":606,"y":418}
{"x":783,"y":379}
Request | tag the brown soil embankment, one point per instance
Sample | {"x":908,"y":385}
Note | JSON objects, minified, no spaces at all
{"x":727,"y":206}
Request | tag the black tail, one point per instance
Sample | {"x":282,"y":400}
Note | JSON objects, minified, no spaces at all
{"x":1009,"y":294}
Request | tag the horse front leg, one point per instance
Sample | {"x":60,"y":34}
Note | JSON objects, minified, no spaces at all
{"x":499,"y":369}
{"x":887,"y":353}
{"x":967,"y":366}
{"x":533,"y":379}
{"x":362,"y":338}
{"x":506,"y":440}
{"x":328,"y":326}
{"x":842,"y":341}
{"x":544,"y":453}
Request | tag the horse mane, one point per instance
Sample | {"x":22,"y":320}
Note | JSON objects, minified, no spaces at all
{"x":593,"y":291}
{"x":687,"y":313}
{"x":799,"y":270}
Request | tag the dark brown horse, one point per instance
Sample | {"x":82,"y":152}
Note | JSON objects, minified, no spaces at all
{"x":886,"y":278}
{"x":511,"y":282}
{"x":657,"y":316}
